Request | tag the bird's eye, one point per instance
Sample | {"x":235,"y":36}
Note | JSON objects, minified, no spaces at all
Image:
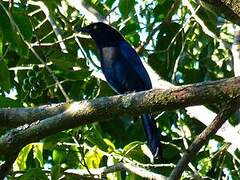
{"x":94,"y":27}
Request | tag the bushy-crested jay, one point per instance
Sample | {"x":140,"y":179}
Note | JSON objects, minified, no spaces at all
{"x":124,"y":71}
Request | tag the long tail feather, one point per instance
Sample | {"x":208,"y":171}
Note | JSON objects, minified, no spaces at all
{"x":152,"y":134}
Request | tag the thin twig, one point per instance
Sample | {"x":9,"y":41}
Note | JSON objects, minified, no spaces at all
{"x":83,"y":157}
{"x":202,"y":24}
{"x":52,"y":22}
{"x":201,"y":139}
{"x":118,"y":167}
{"x":38,"y":57}
{"x":84,"y":54}
{"x":174,"y":7}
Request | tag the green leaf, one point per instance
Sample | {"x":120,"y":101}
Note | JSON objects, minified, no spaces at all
{"x":131,"y":146}
{"x":10,"y":33}
{"x":95,"y":138}
{"x":20,"y":163}
{"x":5,"y":25}
{"x":75,"y":75}
{"x":134,"y":150}
{"x":209,"y":19}
{"x":101,"y":8}
{"x":35,"y":173}
{"x":166,"y":35}
{"x":8,"y":102}
{"x":91,"y":88}
{"x":4,"y":76}
{"x":56,"y":172}
{"x":162,"y":9}
{"x":110,"y":2}
{"x":205,"y":165}
{"x":1,"y":45}
{"x":125,"y":7}
{"x":111,"y":146}
{"x":58,"y":156}
{"x":130,"y":28}
{"x":23,"y":23}
{"x":63,"y":61}
{"x":93,"y":158}
{"x":50,"y":142}
{"x":38,"y":152}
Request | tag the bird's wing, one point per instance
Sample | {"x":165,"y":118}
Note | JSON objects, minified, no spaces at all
{"x":135,"y":62}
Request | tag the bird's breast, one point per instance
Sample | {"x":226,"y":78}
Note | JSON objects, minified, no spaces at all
{"x":109,"y":53}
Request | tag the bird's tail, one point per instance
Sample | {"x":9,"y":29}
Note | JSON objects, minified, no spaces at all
{"x":152,"y":134}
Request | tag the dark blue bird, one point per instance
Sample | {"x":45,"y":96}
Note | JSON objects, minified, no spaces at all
{"x":124,"y":71}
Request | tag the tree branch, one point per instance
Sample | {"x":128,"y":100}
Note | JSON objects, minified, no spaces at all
{"x":229,"y":8}
{"x":86,"y":112}
{"x":201,"y":139}
{"x":55,"y":28}
{"x":154,"y":100}
{"x":117,"y":167}
{"x":14,"y":117}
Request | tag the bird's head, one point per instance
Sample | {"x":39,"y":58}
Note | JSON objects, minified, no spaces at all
{"x":101,"y":33}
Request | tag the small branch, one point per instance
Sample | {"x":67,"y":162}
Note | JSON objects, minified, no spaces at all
{"x":52,"y":43}
{"x":201,"y":139}
{"x":236,"y":58}
{"x":173,"y":10}
{"x":84,"y":54}
{"x":236,"y":51}
{"x":10,"y":6}
{"x":229,"y":8}
{"x":168,"y":18}
{"x":117,"y":167}
{"x":45,"y":10}
{"x":141,"y":47}
{"x":233,"y":5}
{"x":37,"y":56}
{"x":89,"y":13}
{"x":203,"y":26}
{"x":200,"y":21}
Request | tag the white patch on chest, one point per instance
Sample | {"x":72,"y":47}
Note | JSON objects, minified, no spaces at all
{"x":109,"y":53}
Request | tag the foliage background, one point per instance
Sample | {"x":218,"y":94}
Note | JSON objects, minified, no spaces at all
{"x":167,"y":35}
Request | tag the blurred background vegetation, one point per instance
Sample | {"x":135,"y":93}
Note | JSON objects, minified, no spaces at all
{"x":43,"y":61}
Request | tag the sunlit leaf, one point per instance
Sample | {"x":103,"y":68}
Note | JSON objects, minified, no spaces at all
{"x":93,"y":158}
{"x":95,"y":138}
{"x":38,"y":152}
{"x":20,"y":163}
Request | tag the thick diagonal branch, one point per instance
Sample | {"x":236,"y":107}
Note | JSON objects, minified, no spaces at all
{"x":201,"y":139}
